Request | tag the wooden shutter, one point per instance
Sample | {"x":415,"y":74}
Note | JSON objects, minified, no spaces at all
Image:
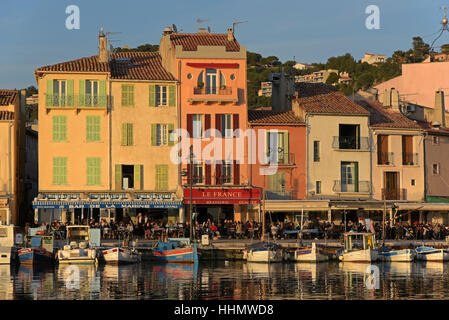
{"x":172,"y":95}
{"x":190,"y":125}
{"x":171,"y":128}
{"x":89,"y":171}
{"x":138,"y":177}
{"x":273,"y":182}
{"x":382,"y":149}
{"x":162,"y":177}
{"x":407,"y":149}
{"x":124,"y":134}
{"x":131,"y":94}
{"x":218,"y":124}
{"x":50,"y":93}
{"x":89,"y":128}
{"x":356,"y":176}
{"x":152,"y":95}
{"x":208,"y":174}
{"x":70,"y":96}
{"x":236,"y":123}
{"x":236,"y":173}
{"x":82,"y":93}
{"x":97,"y":175}
{"x":118,"y":177}
{"x":103,"y":98}
{"x":207,"y":124}
{"x":218,"y":174}
{"x":130,"y":134}
{"x":286,"y":148}
{"x":154,"y":134}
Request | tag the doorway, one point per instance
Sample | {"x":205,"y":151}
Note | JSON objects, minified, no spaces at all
{"x":391,"y":185}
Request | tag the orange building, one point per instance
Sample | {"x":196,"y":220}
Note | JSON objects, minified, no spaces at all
{"x":211,"y":70}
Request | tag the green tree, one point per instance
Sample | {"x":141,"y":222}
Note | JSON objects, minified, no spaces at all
{"x":333,"y":78}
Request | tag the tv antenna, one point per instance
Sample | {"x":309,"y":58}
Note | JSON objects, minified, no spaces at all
{"x":443,"y":28}
{"x":237,"y":23}
{"x":199,"y":20}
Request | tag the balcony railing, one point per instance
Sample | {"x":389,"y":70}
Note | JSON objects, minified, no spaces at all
{"x":281,"y":158}
{"x":195,"y":180}
{"x":409,"y":159}
{"x":224,"y":179}
{"x":350,"y":143}
{"x":361,"y":187}
{"x":385,"y":158}
{"x":218,"y":91}
{"x":85,"y":100}
{"x":394,"y":194}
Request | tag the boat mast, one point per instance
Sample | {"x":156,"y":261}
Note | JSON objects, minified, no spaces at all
{"x":383,"y":220}
{"x":263,"y":214}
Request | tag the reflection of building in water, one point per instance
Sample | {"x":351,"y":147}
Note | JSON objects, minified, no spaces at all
{"x":120,"y":281}
{"x":6,"y":283}
{"x":86,"y":286}
{"x":34,"y":282}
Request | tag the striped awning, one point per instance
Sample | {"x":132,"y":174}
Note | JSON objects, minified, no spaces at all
{"x":106,"y":204}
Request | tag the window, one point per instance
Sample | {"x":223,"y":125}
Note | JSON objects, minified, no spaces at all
{"x":382,"y":150}
{"x":226,"y":126}
{"x":92,"y":90}
{"x":412,"y":182}
{"x":211,"y":81}
{"x":222,"y":81}
{"x":127,"y":95}
{"x":227,"y":172}
{"x":349,"y":136}
{"x":435,"y":140}
{"x":197,"y":126}
{"x":161,"y":134}
{"x":436,"y":168}
{"x":59,"y":92}
{"x":278,"y":147}
{"x":128,"y":177}
{"x":127,"y":134}
{"x":59,"y":171}
{"x":92,"y":128}
{"x":276,"y":183}
{"x":93,"y":171}
{"x":349,"y":177}
{"x":161,"y":96}
{"x":407,"y":150}
{"x":316,"y":151}
{"x":318,"y":187}
{"x":197,"y":173}
{"x":162,"y":177}
{"x":59,"y":128}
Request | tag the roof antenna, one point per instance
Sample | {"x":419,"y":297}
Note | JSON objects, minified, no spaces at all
{"x":237,"y":23}
{"x":443,"y":28}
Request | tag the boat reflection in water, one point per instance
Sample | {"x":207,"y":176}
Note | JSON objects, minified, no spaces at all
{"x":6,"y":282}
{"x":397,"y":268}
{"x":35,"y":282}
{"x":310,"y":270}
{"x":78,"y":281}
{"x":261,"y":270}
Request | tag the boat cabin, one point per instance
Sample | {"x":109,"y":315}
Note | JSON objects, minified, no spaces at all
{"x":359,"y":241}
{"x":8,"y":236}
{"x":45,"y":242}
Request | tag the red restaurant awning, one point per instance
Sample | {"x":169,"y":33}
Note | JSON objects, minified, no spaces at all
{"x":222,"y":196}
{"x":213,"y":65}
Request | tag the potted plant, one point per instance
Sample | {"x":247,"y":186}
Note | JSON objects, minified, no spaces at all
{"x":222,"y":87}
{"x":200,"y":84}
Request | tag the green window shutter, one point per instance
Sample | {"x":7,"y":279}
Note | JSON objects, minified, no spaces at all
{"x":89,"y":171}
{"x":59,"y":128}
{"x":124,"y":134}
{"x":272,"y":182}
{"x":118,"y":177}
{"x":92,"y":128}
{"x":356,"y":176}
{"x":162,"y":177}
{"x":70,"y":96}
{"x":152,"y":102}
{"x":63,"y":124}
{"x":130,"y":134}
{"x":131,"y":95}
{"x":286,"y":147}
{"x":93,"y":171}
{"x":49,"y":96}
{"x":154,"y":134}
{"x":171,"y":95}
{"x":127,"y":95}
{"x":137,"y":177}
{"x":56,"y":128}
{"x":171,"y":128}
{"x":59,"y":171}
{"x":88,"y":128}
{"x":82,"y":93}
{"x":102,"y":99}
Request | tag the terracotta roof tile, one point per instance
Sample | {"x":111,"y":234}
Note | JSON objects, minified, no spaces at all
{"x":8,"y":97}
{"x":272,"y":117}
{"x":6,"y":115}
{"x":190,"y":41}
{"x":387,"y":118}
{"x":306,"y":89}
{"x":427,"y":126}
{"x":123,"y":65}
{"x":331,"y":103}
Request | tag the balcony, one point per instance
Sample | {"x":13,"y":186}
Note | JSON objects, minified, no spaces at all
{"x":394,"y":194}
{"x":196,"y":180}
{"x":361,"y":187}
{"x":385,"y":158}
{"x":351,"y":143}
{"x":75,"y":101}
{"x":281,"y":158}
{"x":409,"y":159}
{"x":207,"y":95}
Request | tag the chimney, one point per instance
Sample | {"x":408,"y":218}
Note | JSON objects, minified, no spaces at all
{"x":103,"y":54}
{"x":387,"y":98}
{"x":231,"y":34}
{"x":439,"y":113}
{"x":394,"y":99}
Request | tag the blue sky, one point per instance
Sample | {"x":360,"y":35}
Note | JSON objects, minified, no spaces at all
{"x":33,"y":32}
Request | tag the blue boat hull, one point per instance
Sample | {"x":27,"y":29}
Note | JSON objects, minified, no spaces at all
{"x":178,"y":255}
{"x":30,"y":256}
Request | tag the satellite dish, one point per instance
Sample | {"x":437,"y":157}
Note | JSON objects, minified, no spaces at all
{"x":173,"y":26}
{"x":208,"y":29}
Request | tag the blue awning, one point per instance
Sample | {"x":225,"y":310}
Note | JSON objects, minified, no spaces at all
{"x":107,"y":204}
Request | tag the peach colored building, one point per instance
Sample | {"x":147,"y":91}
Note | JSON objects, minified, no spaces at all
{"x":211,"y":70}
{"x":12,"y":152}
{"x":104,"y":124}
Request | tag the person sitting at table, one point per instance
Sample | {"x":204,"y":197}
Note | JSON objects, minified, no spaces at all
{"x":214,"y":230}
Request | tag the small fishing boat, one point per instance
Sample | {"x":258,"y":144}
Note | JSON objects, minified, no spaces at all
{"x":403,"y":255}
{"x":121,"y":255}
{"x":304,"y":253}
{"x":78,"y":251}
{"x":263,"y":252}
{"x":358,"y":247}
{"x":37,"y":250}
{"x":431,"y":254}
{"x":176,"y":250}
{"x":8,"y":248}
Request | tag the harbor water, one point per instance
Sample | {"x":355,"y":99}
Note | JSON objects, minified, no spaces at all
{"x":235,"y":280}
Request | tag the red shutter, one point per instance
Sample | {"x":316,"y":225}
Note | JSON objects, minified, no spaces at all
{"x":190,"y":124}
{"x":208,"y":174}
{"x":207,"y":124}
{"x":218,"y":173}
{"x":236,"y":173}
{"x":218,"y":123}
{"x":235,"y":124}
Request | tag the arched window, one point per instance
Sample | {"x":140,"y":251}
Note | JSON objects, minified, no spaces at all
{"x":200,"y":82}
{"x":222,"y":80}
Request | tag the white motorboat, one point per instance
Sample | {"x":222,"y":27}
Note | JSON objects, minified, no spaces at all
{"x":121,"y":255}
{"x":8,"y":248}
{"x":263,"y":252}
{"x":359,"y":247}
{"x":306,"y":254}
{"x":431,"y":254}
{"x":403,"y":255}
{"x":79,"y":251}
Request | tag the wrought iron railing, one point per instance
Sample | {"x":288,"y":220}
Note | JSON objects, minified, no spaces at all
{"x":279,"y":195}
{"x":350,"y":143}
{"x":394,"y":194}
{"x":218,"y":91}
{"x":85,"y":100}
{"x":409,"y":159}
{"x":385,"y":158}
{"x":281,"y":158}
{"x":361,"y":186}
